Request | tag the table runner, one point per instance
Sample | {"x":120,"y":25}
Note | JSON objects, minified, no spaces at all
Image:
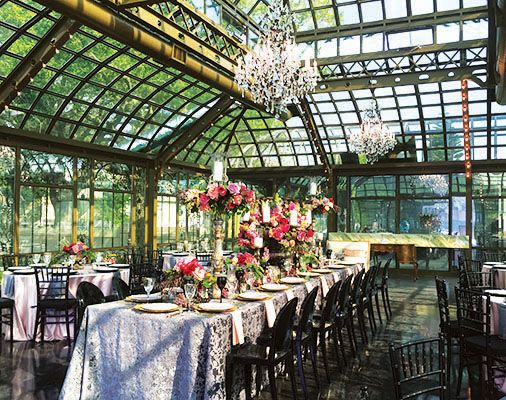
{"x":123,"y":354}
{"x":23,"y":290}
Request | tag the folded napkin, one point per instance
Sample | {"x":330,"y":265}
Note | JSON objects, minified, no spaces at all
{"x":309,"y":286}
{"x":9,"y":285}
{"x":270,"y":311}
{"x":289,"y":294}
{"x":237,"y":328}
{"x":325,"y":286}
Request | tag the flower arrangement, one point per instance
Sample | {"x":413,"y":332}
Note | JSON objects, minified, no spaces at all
{"x":247,"y":262}
{"x":77,"y":248}
{"x":219,"y":199}
{"x":191,"y":270}
{"x":322,"y":205}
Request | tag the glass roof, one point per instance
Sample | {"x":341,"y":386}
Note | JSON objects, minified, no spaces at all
{"x":98,"y":90}
{"x":253,"y":139}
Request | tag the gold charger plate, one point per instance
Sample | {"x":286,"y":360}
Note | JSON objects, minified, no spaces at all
{"x":266,"y":297}
{"x":211,"y":311}
{"x":309,"y":274}
{"x":322,"y":270}
{"x":280,"y":288}
{"x":142,"y":308}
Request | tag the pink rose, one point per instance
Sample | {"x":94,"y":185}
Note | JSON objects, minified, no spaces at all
{"x":234,"y":188}
{"x":212,"y":191}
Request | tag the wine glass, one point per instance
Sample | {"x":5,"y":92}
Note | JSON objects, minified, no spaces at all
{"x":47,"y":259}
{"x":72,"y":260}
{"x":189,"y":292}
{"x":98,"y":258}
{"x":239,"y":274}
{"x":221,"y":281}
{"x":36,"y":258}
{"x":148,"y":284}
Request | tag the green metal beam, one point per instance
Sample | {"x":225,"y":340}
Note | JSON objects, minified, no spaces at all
{"x":194,"y":131}
{"x":35,"y":60}
{"x":394,"y":24}
{"x":154,"y":42}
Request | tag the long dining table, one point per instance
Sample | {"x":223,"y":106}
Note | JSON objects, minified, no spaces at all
{"x":121,"y":353}
{"x":23,"y":290}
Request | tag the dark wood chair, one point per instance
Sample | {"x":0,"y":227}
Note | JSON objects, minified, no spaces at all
{"x":419,"y":369}
{"x":120,"y":289}
{"x":279,"y":350}
{"x":8,"y":261}
{"x":53,"y":299}
{"x":448,"y":328}
{"x":489,"y":256}
{"x":7,"y":304}
{"x":374,"y":289}
{"x":87,"y":295}
{"x":477,"y":344}
{"x":137,"y":272}
{"x":472,"y":280}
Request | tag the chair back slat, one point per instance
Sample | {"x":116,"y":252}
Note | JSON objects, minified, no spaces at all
{"x":52,"y":282}
{"x":442,"y":302}
{"x":419,"y":368}
{"x":494,"y":256}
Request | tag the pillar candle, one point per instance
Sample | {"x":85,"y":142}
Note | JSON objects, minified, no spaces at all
{"x":266,"y":212}
{"x":293,"y":217}
{"x":309,"y":217}
{"x":218,"y":171}
{"x":258,"y":242}
{"x":313,"y":187}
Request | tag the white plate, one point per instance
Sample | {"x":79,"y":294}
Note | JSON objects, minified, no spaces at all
{"x":20,"y":268}
{"x":336,"y":266}
{"x":251,"y":295}
{"x":321,"y":270}
{"x":273,"y":287}
{"x":38,"y":265}
{"x":292,"y":280}
{"x":140,"y":298}
{"x":159,"y":307}
{"x":215,"y":307}
{"x":104,"y":269}
{"x":119,"y":265}
{"x":102,"y":263}
{"x":492,"y":262}
{"x":496,"y":291}
{"x":348,"y":262}
{"x":24,"y":271}
{"x":309,"y":274}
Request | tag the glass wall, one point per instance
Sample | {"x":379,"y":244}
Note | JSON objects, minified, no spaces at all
{"x":63,"y":198}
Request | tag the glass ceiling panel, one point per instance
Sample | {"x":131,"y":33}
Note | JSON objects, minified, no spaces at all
{"x":253,"y":139}
{"x":96,"y":89}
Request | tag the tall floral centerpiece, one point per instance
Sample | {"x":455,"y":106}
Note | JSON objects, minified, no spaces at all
{"x":219,"y":199}
{"x":77,"y":251}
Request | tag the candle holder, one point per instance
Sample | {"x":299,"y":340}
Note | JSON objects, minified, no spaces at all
{"x":219,"y":171}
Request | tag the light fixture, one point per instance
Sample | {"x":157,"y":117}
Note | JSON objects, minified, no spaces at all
{"x":374,"y":139}
{"x":273,"y":72}
{"x":436,"y":183}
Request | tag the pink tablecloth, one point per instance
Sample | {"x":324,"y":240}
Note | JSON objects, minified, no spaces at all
{"x":499,"y":275}
{"x":25,"y":297}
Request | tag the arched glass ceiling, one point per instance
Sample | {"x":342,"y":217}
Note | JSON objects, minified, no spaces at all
{"x":100,"y":91}
{"x":95,"y":89}
{"x":253,"y":139}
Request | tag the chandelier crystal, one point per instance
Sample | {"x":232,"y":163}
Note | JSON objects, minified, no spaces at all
{"x":436,"y":183}
{"x":374,"y":138}
{"x":273,"y":72}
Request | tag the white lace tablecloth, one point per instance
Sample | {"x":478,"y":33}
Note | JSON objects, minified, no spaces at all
{"x":23,"y":290}
{"x":123,"y":354}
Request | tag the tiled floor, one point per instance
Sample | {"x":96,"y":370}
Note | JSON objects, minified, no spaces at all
{"x":37,"y":373}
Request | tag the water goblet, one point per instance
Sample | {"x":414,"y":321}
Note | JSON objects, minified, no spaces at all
{"x":189,"y":291}
{"x":72,"y":260}
{"x":99,"y":258}
{"x":239,"y":274}
{"x":221,"y":281}
{"x":47,"y":259}
{"x":148,"y":284}
{"x":36,"y":258}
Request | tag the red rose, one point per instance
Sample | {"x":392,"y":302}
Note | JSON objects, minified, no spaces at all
{"x":237,"y":199}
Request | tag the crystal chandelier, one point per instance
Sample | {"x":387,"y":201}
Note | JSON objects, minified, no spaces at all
{"x":436,"y":183}
{"x":273,"y":72}
{"x":374,"y":138}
